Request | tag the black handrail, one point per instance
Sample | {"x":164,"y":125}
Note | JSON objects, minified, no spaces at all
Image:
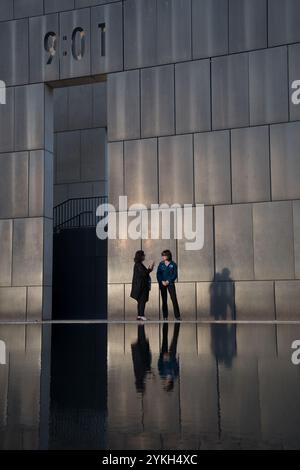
{"x":77,"y":213}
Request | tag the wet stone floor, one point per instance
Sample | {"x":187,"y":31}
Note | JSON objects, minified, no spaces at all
{"x":158,"y":386}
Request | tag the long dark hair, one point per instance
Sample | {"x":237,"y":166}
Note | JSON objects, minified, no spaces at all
{"x":139,"y":256}
{"x":168,"y":254}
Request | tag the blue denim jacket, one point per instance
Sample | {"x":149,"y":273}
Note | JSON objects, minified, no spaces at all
{"x":167,"y":273}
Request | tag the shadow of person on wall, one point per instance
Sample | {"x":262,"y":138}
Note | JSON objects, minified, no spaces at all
{"x":222,"y":308}
{"x":168,"y":364}
{"x":142,"y":359}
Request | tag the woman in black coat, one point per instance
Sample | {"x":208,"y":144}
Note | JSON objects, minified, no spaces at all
{"x":141,"y":283}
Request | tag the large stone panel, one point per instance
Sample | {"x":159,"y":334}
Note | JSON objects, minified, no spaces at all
{"x":284,"y":18}
{"x":212,"y":168}
{"x":23,"y":8}
{"x":140,"y":29}
{"x":157,"y":101}
{"x":30,"y":132}
{"x":173,"y":30}
{"x":210,"y":28}
{"x":198,"y":265}
{"x":250,"y":164}
{"x":141,"y":173}
{"x":13,"y":303}
{"x":287,"y":300}
{"x":68,"y":157}
{"x":14,"y":64}
{"x":28,"y":252}
{"x":123,"y":93}
{"x":268,"y":82}
{"x":7,"y":122}
{"x":285,"y":161}
{"x":273,"y":241}
{"x":193,"y":105}
{"x":247,"y":25}
{"x":14,"y":185}
{"x":255,"y":300}
{"x":296,"y":220}
{"x":107,"y":38}
{"x":234,"y":241}
{"x":230,"y":91}
{"x":115,"y":172}
{"x":6,"y":234}
{"x":176,"y":166}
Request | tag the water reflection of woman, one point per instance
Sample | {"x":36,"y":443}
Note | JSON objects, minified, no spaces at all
{"x":142,"y":358}
{"x":168,"y":364}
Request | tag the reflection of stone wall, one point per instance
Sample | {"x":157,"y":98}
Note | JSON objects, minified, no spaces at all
{"x":237,"y":389}
{"x":23,"y":388}
{"x":78,"y":408}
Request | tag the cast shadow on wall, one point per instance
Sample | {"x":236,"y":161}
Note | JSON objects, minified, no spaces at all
{"x":222,"y":308}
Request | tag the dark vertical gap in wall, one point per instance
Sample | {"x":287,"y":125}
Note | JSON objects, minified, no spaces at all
{"x":28,"y":180}
{"x":26,"y":303}
{"x":214,"y":241}
{"x":267,"y":19}
{"x":194,"y":179}
{"x":211,"y":95}
{"x":124,"y":310}
{"x":276,"y":340}
{"x":230,"y":165}
{"x":196,"y":310}
{"x":80,"y":153}
{"x":249,"y":94}
{"x":46,"y":111}
{"x":293,"y":232}
{"x":234,"y":300}
{"x":12,"y":253}
{"x":123,"y":34}
{"x":43,"y":262}
{"x":174,"y":97}
{"x":270,"y":162}
{"x":253,"y":253}
{"x":140,"y":101}
{"x":253,"y":242}
{"x":228,"y":27}
{"x":274,"y":299}
{"x":192,"y":45}
{"x":288,"y":81}
{"x":156,"y":34}
{"x":124,"y":173}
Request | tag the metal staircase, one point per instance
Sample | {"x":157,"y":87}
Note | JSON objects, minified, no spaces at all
{"x":77,"y":213}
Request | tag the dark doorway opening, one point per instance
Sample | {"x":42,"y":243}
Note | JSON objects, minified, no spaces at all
{"x":80,"y":186}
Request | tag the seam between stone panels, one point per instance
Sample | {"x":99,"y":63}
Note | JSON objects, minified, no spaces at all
{"x":270,"y":164}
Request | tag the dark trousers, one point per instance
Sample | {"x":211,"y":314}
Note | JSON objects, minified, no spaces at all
{"x":165,"y":340}
{"x":141,"y":305}
{"x":164,"y":296}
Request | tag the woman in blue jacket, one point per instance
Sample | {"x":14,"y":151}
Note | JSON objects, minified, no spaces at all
{"x":166,"y":277}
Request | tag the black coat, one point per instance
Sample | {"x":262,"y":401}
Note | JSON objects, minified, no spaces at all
{"x":141,"y":282}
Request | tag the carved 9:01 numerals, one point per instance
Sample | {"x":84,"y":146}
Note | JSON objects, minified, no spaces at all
{"x":77,"y":44}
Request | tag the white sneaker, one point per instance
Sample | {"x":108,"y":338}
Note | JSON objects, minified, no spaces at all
{"x":141,"y":318}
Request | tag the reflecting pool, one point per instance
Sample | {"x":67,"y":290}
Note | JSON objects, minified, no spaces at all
{"x":157,"y":386}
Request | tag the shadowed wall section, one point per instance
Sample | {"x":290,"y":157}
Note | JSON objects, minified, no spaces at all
{"x":26,"y":202}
